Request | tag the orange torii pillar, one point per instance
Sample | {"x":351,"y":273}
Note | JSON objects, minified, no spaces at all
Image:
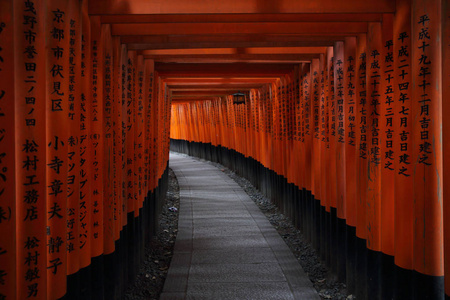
{"x":57,"y":110}
{"x":446,"y":138}
{"x":324,"y":85}
{"x":340,"y":139}
{"x":332,"y":182}
{"x":373,"y":202}
{"x":350,"y":158}
{"x":361,"y":164}
{"x":403,"y":229}
{"x":130,"y":142}
{"x":73,"y":167}
{"x":315,"y":151}
{"x":426,"y":133}
{"x":85,"y":144}
{"x":8,"y":150}
{"x":97,"y":162}
{"x":386,"y":137}
{"x":329,"y":93}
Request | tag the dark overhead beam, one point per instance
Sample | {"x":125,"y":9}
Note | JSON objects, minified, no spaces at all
{"x":223,"y":70}
{"x":276,"y":58}
{"x":206,"y":86}
{"x":108,"y":7}
{"x":307,"y":28}
{"x":244,"y":18}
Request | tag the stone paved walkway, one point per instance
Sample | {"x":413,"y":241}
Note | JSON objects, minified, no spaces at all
{"x":226,"y":248}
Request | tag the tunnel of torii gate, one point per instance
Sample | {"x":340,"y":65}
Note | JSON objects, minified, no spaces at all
{"x":345,"y":126}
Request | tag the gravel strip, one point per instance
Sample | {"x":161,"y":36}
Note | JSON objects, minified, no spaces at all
{"x":149,"y":282}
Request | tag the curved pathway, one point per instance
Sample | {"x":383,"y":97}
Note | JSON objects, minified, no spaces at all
{"x":225,"y":247}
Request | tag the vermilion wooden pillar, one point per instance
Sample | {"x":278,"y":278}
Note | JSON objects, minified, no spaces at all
{"x":57,"y":110}
{"x":117,"y":137}
{"x":139,"y":145}
{"x":130,"y":138}
{"x":427,"y":148}
{"x":148,"y":100}
{"x":386,"y":136}
{"x":298,"y":122}
{"x":315,"y":130}
{"x":85,"y":143}
{"x":446,"y":138}
{"x":387,"y":132}
{"x":8,"y":234}
{"x":124,"y":113}
{"x":108,"y":142}
{"x":97,"y":137}
{"x":329,"y":91}
{"x":73,"y":115}
{"x":373,"y":207}
{"x":350,"y":158}
{"x":340,"y":139}
{"x":30,"y":142}
{"x":403,"y":194}
{"x":307,"y":120}
{"x":361,"y":163}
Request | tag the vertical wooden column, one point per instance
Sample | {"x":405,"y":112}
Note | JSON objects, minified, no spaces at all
{"x":446,"y":138}
{"x":386,"y":138}
{"x":130,"y":137}
{"x":315,"y":106}
{"x":117,"y":137}
{"x":373,"y":207}
{"x":149,"y":70}
{"x":124,"y":125}
{"x":340,"y":139}
{"x":307,"y":135}
{"x":403,"y":180}
{"x":361,"y":163}
{"x":298,"y":123}
{"x":57,"y":109}
{"x":108,"y":142}
{"x":328,"y":91}
{"x":427,"y":148}
{"x":73,"y":142}
{"x":350,"y":158}
{"x":31,"y":188}
{"x":323,"y":155}
{"x":97,"y":154}
{"x":315,"y":149}
{"x":85,"y":212}
{"x":8,"y":234}
{"x":139,"y":148}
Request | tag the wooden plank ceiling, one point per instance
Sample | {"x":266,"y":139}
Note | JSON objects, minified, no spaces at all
{"x":205,"y":49}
